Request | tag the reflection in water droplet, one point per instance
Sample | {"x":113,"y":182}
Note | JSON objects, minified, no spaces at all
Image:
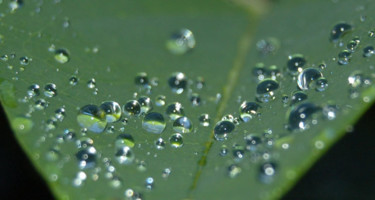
{"x":252,"y":142}
{"x":181,"y":42}
{"x":33,"y":90}
{"x":204,"y":120}
{"x":249,"y":110}
{"x":61,"y":56}
{"x":182,"y":125}
{"x":92,"y":118}
{"x":175,"y":110}
{"x":339,"y":30}
{"x":176,"y":140}
{"x":50,"y":90}
{"x":223,"y":150}
{"x":303,"y":116}
{"x":296,"y":63}
{"x":132,"y":108}
{"x":112,"y":111}
{"x":60,"y":114}
{"x":159,"y":143}
{"x":87,"y":157}
{"x":154,"y":123}
{"x":124,"y":155}
{"x":124,"y":140}
{"x":344,"y":57}
{"x":266,"y":90}
{"x":222,"y":129}
{"x":146,"y":104}
{"x":91,"y":83}
{"x":321,"y":84}
{"x":307,"y":78}
{"x":177,"y":82}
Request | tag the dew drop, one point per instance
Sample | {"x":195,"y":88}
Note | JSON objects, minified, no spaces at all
{"x":344,"y":57}
{"x":182,"y":125}
{"x":339,"y":30}
{"x":112,"y":111}
{"x":51,"y":124}
{"x":60,"y":114}
{"x":115,"y":182}
{"x":368,"y":51}
{"x":200,"y":83}
{"x":302,"y":116}
{"x":249,"y":110}
{"x":234,"y":170}
{"x":50,"y":90}
{"x":160,"y":144}
{"x":141,"y":79}
{"x":132,"y":108}
{"x":92,"y":118}
{"x":124,"y":155}
{"x":73,"y":80}
{"x":204,"y":120}
{"x":330,"y":112}
{"x":91,"y":83}
{"x":353,"y":44}
{"x":33,"y":90}
{"x":61,"y":56}
{"x":297,"y":97}
{"x":296,"y":63}
{"x":321,"y":84}
{"x":195,"y":99}
{"x":84,"y":142}
{"x":358,"y":79}
{"x":154,"y":123}
{"x":223,"y":150}
{"x":307,"y":78}
{"x":160,"y":100}
{"x":149,"y":183}
{"x":177,"y":82}
{"x":259,"y":71}
{"x":69,"y":135}
{"x":87,"y":157}
{"x":146,"y":104}
{"x":252,"y":142}
{"x":166,"y":172}
{"x":176,"y":140}
{"x":266,"y":90}
{"x":267,"y":172}
{"x":24,"y":60}
{"x":15,"y":4}
{"x":181,"y":42}
{"x":222,"y":129}
{"x":175,"y":110}
{"x":238,"y":152}
{"x":40,"y":104}
{"x":124,"y":140}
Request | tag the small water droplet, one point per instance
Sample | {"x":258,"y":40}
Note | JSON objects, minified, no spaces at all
{"x":181,"y":42}
{"x":266,"y":90}
{"x":344,"y":57}
{"x":321,"y":84}
{"x":160,"y":144}
{"x":86,"y":157}
{"x":182,"y":125}
{"x":296,"y":63}
{"x":175,"y":110}
{"x":222,"y":129}
{"x":358,"y":79}
{"x":177,"y":82}
{"x":61,"y":56}
{"x":330,"y":112}
{"x":50,"y":90}
{"x":141,"y":79}
{"x":124,"y":155}
{"x":149,"y":183}
{"x":238,"y":152}
{"x":353,"y":44}
{"x":160,"y":100}
{"x":24,"y":60}
{"x":33,"y":90}
{"x":166,"y":172}
{"x":115,"y":182}
{"x":91,"y":83}
{"x":84,"y":142}
{"x":4,"y":57}
{"x":73,"y":80}
{"x":92,"y":118}
{"x":112,"y":111}
{"x":176,"y":140}
{"x":200,"y":83}
{"x":15,"y":4}
{"x":252,"y":142}
{"x":195,"y":99}
{"x":40,"y":104}
{"x":249,"y":110}
{"x":51,"y":124}
{"x":204,"y":120}
{"x":60,"y":114}
{"x":368,"y":51}
{"x":267,"y":172}
{"x":302,"y":116}
{"x":146,"y":104}
{"x":297,"y":97}
{"x":223,"y":150}
{"x":339,"y":30}
{"x":132,"y":108}
{"x":69,"y":135}
{"x":234,"y":170}
{"x":307,"y":78}
{"x":124,"y":140}
{"x":154,"y":123}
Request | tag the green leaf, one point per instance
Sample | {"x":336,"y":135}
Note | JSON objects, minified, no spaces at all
{"x":106,"y":45}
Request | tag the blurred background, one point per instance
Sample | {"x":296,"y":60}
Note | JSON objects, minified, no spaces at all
{"x":347,"y":171}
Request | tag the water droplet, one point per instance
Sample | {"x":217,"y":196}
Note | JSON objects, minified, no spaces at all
{"x":112,"y":111}
{"x":153,"y":123}
{"x":222,"y":129}
{"x":51,"y":124}
{"x":160,"y":144}
{"x":149,"y":183}
{"x":91,"y":83}
{"x":368,"y":51}
{"x":166,"y":172}
{"x":80,"y":177}
{"x":234,"y":170}
{"x":302,"y":116}
{"x":296,"y":63}
{"x":50,"y":90}
{"x":297,"y":97}
{"x":344,"y":57}
{"x":330,"y":112}
{"x":223,"y":150}
{"x":160,"y":100}
{"x":146,"y":104}
{"x":195,"y":99}
{"x":61,"y":56}
{"x":238,"y":152}
{"x":249,"y":110}
{"x":22,"y":124}
{"x":182,"y":125}
{"x":15,"y":4}
{"x":87,"y":157}
{"x":175,"y":110}
{"x":115,"y":182}
{"x":322,"y":66}
{"x":181,"y":42}
{"x":40,"y":104}
{"x":231,"y":118}
{"x":200,"y":83}
{"x":84,"y":142}
{"x":252,"y":142}
{"x":130,"y":194}
{"x":358,"y":79}
{"x":321,"y":84}
{"x":92,"y":118}
{"x":24,"y":60}
{"x":33,"y":90}
{"x":4,"y":57}
{"x":73,"y":80}
{"x":267,"y":172}
{"x":176,"y":140}
{"x":259,"y":71}
{"x":124,"y":140}
{"x":266,"y":90}
{"x":60,"y":114}
{"x":353,"y":44}
{"x":339,"y":30}
{"x":124,"y":155}
{"x":69,"y":135}
{"x":204,"y":120}
{"x":132,"y":108}
{"x":307,"y":78}
{"x":141,"y":79}
{"x":177,"y":82}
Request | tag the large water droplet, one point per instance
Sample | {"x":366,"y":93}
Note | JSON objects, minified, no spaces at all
{"x":249,"y":110}
{"x":177,"y":82}
{"x":368,"y":51}
{"x":303,"y":116}
{"x":222,"y":129}
{"x":181,"y":42}
{"x":112,"y":111}
{"x":296,"y":63}
{"x":92,"y":118}
{"x":61,"y":56}
{"x":154,"y":123}
{"x":175,"y":110}
{"x":266,"y":90}
{"x":297,"y":97}
{"x":307,"y":78}
{"x":131,"y":108}
{"x":339,"y":30}
{"x":182,"y":125}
